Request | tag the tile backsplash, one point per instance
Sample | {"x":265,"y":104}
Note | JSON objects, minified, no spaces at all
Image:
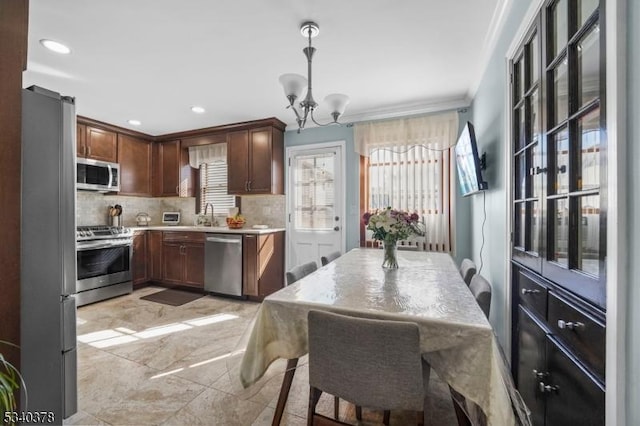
{"x":92,"y":208}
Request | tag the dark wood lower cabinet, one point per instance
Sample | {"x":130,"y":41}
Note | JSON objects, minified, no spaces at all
{"x":263,"y":264}
{"x":178,"y":258}
{"x":558,"y":355}
{"x":183,"y":258}
{"x":139,"y":261}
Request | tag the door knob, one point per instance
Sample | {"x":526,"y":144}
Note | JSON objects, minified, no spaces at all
{"x":336,"y":228}
{"x":337,"y":218}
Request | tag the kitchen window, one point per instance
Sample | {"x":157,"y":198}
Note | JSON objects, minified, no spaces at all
{"x":211,"y":162}
{"x":407,"y":164}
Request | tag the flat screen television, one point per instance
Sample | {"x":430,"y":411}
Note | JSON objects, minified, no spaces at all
{"x":468,"y":163}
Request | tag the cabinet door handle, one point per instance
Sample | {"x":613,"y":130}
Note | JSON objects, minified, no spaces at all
{"x":249,"y":185}
{"x":540,"y":374}
{"x":246,"y":186}
{"x":570,"y":325}
{"x":547,"y":388}
{"x":88,"y":150}
{"x":526,"y":291}
{"x":178,"y":189}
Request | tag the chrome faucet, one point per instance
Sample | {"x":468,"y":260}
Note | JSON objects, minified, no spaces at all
{"x":213,"y":219}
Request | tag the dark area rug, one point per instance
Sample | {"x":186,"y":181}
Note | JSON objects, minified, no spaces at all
{"x":172,"y":297}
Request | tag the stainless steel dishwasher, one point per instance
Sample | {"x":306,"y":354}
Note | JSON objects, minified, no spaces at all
{"x":223,"y":264}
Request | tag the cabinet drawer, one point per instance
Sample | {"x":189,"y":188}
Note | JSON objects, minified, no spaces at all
{"x":582,"y":333}
{"x":196,"y":237}
{"x":532,"y":295}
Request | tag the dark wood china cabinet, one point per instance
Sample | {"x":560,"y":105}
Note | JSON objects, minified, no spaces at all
{"x":558,"y":146}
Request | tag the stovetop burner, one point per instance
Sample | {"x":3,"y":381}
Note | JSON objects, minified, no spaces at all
{"x":96,"y":232}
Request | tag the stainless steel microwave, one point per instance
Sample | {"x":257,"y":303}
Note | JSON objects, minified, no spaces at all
{"x":93,"y":175}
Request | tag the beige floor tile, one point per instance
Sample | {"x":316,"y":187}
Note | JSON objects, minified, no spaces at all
{"x":214,"y":407}
{"x":183,"y":377}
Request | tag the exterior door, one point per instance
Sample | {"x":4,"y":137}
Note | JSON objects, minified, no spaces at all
{"x":315,"y":202}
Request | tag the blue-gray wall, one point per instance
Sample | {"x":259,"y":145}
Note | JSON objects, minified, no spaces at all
{"x":352,"y":178}
{"x":488,"y":118}
{"x":352,"y":183}
{"x":633,"y":200}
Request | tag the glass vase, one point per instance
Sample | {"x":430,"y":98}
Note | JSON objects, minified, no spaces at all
{"x":390,"y":260}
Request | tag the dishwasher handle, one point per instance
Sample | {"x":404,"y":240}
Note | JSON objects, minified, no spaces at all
{"x":224,"y":240}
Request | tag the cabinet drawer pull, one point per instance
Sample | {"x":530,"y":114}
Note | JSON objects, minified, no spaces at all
{"x":249,"y":186}
{"x":569,"y":325}
{"x":547,"y":388}
{"x":540,"y":374}
{"x":246,"y":186}
{"x":526,"y":291}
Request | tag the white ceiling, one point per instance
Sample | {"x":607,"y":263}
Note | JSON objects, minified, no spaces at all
{"x":151,"y":60}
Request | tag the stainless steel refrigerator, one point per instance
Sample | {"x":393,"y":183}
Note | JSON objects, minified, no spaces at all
{"x":48,"y":253}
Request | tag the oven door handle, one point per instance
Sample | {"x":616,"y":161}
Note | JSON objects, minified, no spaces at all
{"x":101,"y":245}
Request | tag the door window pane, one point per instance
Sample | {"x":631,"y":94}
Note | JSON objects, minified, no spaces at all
{"x":589,"y":234}
{"x":534,"y":230}
{"x":559,"y":215}
{"x":559,"y":27}
{"x":589,"y":67}
{"x":521,"y":176}
{"x":585,"y":9}
{"x":314,"y":191}
{"x":589,"y":134}
{"x":561,"y":143}
{"x":536,"y":163}
{"x":522,"y":141}
{"x":560,"y":92}
{"x":533,"y":116}
{"x":519,"y":226}
{"x":518,"y":78}
{"x":534,"y":61}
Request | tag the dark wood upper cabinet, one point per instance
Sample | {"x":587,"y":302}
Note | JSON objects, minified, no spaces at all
{"x":255,"y":160}
{"x":99,"y":144}
{"x":172,"y":174}
{"x":135,"y":158}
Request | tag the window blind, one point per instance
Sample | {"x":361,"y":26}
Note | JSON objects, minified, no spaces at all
{"x":213,"y":187}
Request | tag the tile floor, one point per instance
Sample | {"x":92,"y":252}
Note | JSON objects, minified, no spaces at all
{"x":145,"y":363}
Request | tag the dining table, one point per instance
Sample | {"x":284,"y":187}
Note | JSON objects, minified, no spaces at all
{"x":456,"y":338}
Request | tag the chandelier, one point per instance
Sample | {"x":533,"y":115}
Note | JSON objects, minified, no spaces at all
{"x":294,"y":85}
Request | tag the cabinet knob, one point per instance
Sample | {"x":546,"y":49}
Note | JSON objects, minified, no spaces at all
{"x":540,"y":374}
{"x":526,"y":291}
{"x":336,"y":228}
{"x":547,"y":388}
{"x":570,"y":325}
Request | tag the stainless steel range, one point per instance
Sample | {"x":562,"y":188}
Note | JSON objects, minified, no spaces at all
{"x":104,"y":262}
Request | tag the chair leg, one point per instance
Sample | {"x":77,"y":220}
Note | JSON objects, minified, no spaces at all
{"x":358,"y":412}
{"x":314,"y":396}
{"x":336,"y":407}
{"x":385,"y":418}
{"x":461,"y":416}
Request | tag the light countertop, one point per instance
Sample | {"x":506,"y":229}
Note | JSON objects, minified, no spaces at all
{"x":207,"y":229}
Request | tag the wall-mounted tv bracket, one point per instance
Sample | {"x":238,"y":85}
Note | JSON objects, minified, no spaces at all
{"x":483,"y":161}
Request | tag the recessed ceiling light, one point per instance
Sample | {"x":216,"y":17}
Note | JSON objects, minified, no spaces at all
{"x":197,"y":109}
{"x":55,"y":46}
{"x":134,"y":122}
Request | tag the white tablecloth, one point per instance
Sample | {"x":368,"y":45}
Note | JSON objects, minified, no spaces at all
{"x":456,"y":338}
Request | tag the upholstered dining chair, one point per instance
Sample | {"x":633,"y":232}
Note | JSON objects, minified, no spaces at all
{"x":467,"y":270}
{"x":371,"y":363}
{"x":300,"y":271}
{"x":330,"y":257}
{"x":481,"y":290}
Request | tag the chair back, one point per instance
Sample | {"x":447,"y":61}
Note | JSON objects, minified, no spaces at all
{"x":371,"y":363}
{"x":300,"y":271}
{"x":467,"y":270}
{"x":481,"y":290}
{"x":330,"y":257}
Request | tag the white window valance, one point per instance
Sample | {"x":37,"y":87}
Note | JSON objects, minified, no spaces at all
{"x":437,"y":131}
{"x":207,"y":154}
